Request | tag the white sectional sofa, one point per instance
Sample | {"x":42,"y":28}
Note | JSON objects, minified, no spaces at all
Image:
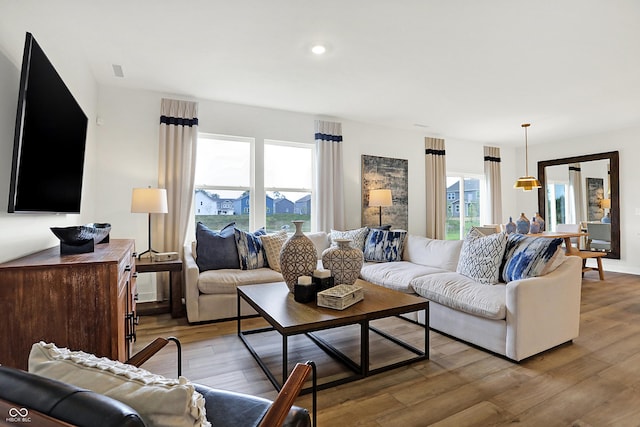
{"x":517,"y":319}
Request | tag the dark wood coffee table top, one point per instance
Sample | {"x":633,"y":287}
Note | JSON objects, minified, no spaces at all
{"x":276,"y":304}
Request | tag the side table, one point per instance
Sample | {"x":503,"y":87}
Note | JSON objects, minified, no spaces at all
{"x":174,"y":268}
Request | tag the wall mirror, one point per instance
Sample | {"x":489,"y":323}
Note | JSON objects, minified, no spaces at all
{"x":583,"y":190}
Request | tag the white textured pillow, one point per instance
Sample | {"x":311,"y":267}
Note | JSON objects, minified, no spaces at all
{"x":272,"y":244}
{"x":358,"y":237}
{"x":160,"y":401}
{"x":481,"y":256}
{"x":320,"y":240}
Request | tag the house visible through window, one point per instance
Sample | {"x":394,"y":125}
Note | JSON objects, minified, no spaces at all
{"x":463,"y":205}
{"x":231,"y":174}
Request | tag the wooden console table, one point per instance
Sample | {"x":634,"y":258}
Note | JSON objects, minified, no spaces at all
{"x":83,"y":302}
{"x":174,"y":267}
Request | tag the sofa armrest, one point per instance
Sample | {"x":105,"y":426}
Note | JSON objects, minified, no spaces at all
{"x":191,"y":276}
{"x":543,"y":312}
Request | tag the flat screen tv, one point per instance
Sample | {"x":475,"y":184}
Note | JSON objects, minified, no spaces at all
{"x":49,"y":140}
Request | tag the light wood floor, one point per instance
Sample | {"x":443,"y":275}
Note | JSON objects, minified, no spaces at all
{"x":595,"y":381}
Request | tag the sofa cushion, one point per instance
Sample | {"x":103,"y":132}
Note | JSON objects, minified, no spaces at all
{"x":529,"y":256}
{"x":481,"y":256}
{"x":226,"y":281}
{"x":250,"y":251}
{"x":357,"y":236}
{"x":272,"y":244}
{"x":160,"y":401}
{"x":442,"y":254}
{"x":216,"y":249}
{"x":395,"y":275}
{"x":384,"y":245}
{"x":320,"y":240}
{"x":462,"y":293}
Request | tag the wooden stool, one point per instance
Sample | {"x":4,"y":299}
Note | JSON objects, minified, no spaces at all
{"x":589,"y":254}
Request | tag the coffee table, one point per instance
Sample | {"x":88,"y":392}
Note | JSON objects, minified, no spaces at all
{"x":276,"y":305}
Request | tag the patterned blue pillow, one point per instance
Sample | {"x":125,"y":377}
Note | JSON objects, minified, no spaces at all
{"x":250,"y":250}
{"x":481,"y":256}
{"x":529,"y":256}
{"x":384,"y":245}
{"x":216,"y":249}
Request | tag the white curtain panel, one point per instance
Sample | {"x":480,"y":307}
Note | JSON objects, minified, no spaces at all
{"x":576,"y":195}
{"x":493,"y":186}
{"x":436,"y":187}
{"x":329,"y":194}
{"x":176,"y":173}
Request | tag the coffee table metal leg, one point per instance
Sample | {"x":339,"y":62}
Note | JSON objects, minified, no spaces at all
{"x":285,"y":360}
{"x":364,"y":348}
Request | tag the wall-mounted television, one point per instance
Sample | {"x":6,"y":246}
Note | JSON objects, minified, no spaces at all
{"x":49,"y":141}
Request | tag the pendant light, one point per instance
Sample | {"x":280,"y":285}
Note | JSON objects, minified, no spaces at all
{"x":526,"y":183}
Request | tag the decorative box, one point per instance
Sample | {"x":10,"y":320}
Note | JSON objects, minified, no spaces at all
{"x":340,"y":297}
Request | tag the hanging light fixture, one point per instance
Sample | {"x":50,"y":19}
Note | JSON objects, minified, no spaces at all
{"x":526,"y":183}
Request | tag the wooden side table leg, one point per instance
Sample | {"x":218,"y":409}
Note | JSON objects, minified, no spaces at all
{"x":175,"y":285}
{"x":600,"y":270}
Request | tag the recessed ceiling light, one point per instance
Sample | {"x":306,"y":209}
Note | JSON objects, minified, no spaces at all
{"x":318,"y":49}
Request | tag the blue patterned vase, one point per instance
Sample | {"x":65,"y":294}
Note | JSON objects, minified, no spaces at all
{"x":522,"y":224}
{"x":510,"y":227}
{"x":534,"y":228}
{"x":540,"y":221}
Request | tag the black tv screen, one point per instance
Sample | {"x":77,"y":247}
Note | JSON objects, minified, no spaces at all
{"x":49,"y":141}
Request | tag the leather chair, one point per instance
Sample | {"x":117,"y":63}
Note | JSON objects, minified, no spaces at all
{"x":74,"y":405}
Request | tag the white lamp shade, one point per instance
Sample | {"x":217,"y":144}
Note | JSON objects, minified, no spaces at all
{"x":149,"y":200}
{"x":380,"y":198}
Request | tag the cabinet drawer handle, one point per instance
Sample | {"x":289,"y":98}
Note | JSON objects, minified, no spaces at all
{"x":135,"y":274}
{"x":127,"y":268}
{"x":134,"y":255}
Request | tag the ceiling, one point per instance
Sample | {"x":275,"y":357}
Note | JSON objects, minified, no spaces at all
{"x":462,"y":69}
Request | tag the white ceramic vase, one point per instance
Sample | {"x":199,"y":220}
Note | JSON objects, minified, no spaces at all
{"x":344,"y":261}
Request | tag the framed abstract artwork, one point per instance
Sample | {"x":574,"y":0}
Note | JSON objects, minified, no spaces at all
{"x":385,"y":173}
{"x":595,"y":193}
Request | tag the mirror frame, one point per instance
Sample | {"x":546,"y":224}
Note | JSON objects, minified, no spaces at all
{"x":614,"y":167}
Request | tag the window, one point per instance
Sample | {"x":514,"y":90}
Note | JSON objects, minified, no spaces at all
{"x":288,"y":176}
{"x":223,"y":180}
{"x":233,"y":172}
{"x":557,"y":206}
{"x":463,"y":205}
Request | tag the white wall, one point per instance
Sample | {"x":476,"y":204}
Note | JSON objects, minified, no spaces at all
{"x":21,"y":234}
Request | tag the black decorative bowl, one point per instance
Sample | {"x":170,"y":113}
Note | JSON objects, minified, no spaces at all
{"x":79,"y":235}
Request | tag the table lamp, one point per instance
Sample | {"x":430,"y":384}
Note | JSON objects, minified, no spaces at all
{"x":380,"y":198}
{"x":149,"y":201}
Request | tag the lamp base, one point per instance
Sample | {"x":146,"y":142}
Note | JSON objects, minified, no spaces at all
{"x":148,"y":251}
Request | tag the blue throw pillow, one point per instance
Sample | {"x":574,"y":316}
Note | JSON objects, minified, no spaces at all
{"x":384,"y":245}
{"x":251,"y":254}
{"x":216,"y":250}
{"x":528,"y":256}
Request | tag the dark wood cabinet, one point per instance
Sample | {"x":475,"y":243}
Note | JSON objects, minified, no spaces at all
{"x":83,"y":302}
